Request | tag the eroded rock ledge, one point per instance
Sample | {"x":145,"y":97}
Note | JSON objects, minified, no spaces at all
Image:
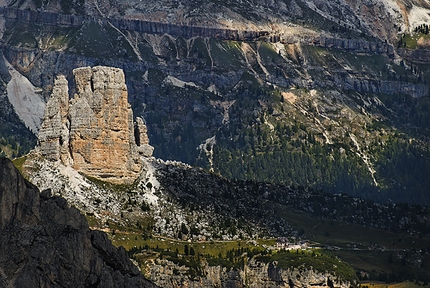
{"x":94,"y":132}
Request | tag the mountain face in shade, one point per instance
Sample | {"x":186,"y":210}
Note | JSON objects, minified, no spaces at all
{"x":45,"y":243}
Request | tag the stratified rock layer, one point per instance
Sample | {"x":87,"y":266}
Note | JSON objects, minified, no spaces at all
{"x":44,"y":243}
{"x":94,"y":132}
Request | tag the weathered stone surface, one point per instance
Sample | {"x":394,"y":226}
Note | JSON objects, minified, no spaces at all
{"x":44,"y":243}
{"x":142,"y":140}
{"x":140,"y":132}
{"x":94,"y":132}
{"x":101,"y":126}
{"x":22,"y":204}
{"x":53,"y":135}
{"x":254,"y":274}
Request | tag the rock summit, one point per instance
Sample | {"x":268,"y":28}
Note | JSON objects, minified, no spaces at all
{"x":94,"y":132}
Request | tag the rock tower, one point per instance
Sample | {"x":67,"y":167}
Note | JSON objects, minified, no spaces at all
{"x":94,"y":132}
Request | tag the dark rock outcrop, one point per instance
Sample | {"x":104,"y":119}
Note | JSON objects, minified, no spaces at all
{"x":50,"y":18}
{"x":44,"y":243}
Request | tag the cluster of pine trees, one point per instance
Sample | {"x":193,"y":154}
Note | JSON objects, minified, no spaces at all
{"x":290,"y":153}
{"x":423,"y":29}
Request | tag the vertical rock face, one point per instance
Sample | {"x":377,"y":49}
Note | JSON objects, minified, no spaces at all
{"x":141,"y":137}
{"x":53,"y":134}
{"x":101,"y":126}
{"x":94,"y":132}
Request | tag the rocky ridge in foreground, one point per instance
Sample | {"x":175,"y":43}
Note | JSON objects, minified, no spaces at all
{"x":45,"y":243}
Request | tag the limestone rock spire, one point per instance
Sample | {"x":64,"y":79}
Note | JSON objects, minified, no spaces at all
{"x":54,"y":132}
{"x":141,"y":136}
{"x":95,"y":133}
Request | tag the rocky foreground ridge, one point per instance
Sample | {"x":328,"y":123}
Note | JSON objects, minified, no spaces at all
{"x":45,"y":243}
{"x":94,"y":132}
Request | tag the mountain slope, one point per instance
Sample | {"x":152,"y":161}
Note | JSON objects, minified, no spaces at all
{"x":46,"y":243}
{"x":381,"y":19}
{"x":334,"y":98}
{"x":174,"y":205}
{"x":177,"y":203}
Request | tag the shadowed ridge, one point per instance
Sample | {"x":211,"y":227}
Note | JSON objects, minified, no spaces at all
{"x":45,"y":243}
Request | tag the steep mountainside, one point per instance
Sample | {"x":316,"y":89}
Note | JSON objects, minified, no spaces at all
{"x":174,"y":203}
{"x":322,"y":95}
{"x":378,"y":18}
{"x":45,"y":243}
{"x":173,"y":206}
{"x":283,"y":107}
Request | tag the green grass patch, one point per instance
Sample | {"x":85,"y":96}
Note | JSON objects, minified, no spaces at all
{"x":19,"y":162}
{"x":60,"y":38}
{"x":406,"y":284}
{"x":409,"y":41}
{"x":271,"y":59}
{"x":377,"y":65}
{"x":387,"y":266}
{"x":110,"y":186}
{"x":131,"y":240}
{"x":39,"y":36}
{"x":268,"y":53}
{"x":230,"y":254}
{"x":376,"y":261}
{"x":226,"y":54}
{"x":346,"y":235}
{"x":415,"y":41}
{"x":373,"y":251}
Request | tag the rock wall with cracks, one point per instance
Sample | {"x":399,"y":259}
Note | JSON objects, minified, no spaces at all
{"x":94,"y":132}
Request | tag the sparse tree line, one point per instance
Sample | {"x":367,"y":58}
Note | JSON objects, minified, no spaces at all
{"x":423,"y":29}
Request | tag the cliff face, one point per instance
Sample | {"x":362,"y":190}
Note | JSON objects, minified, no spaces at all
{"x":101,"y":126}
{"x":187,"y":31}
{"x":44,"y":243}
{"x":53,"y":136}
{"x":253,"y":274}
{"x":94,"y":132}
